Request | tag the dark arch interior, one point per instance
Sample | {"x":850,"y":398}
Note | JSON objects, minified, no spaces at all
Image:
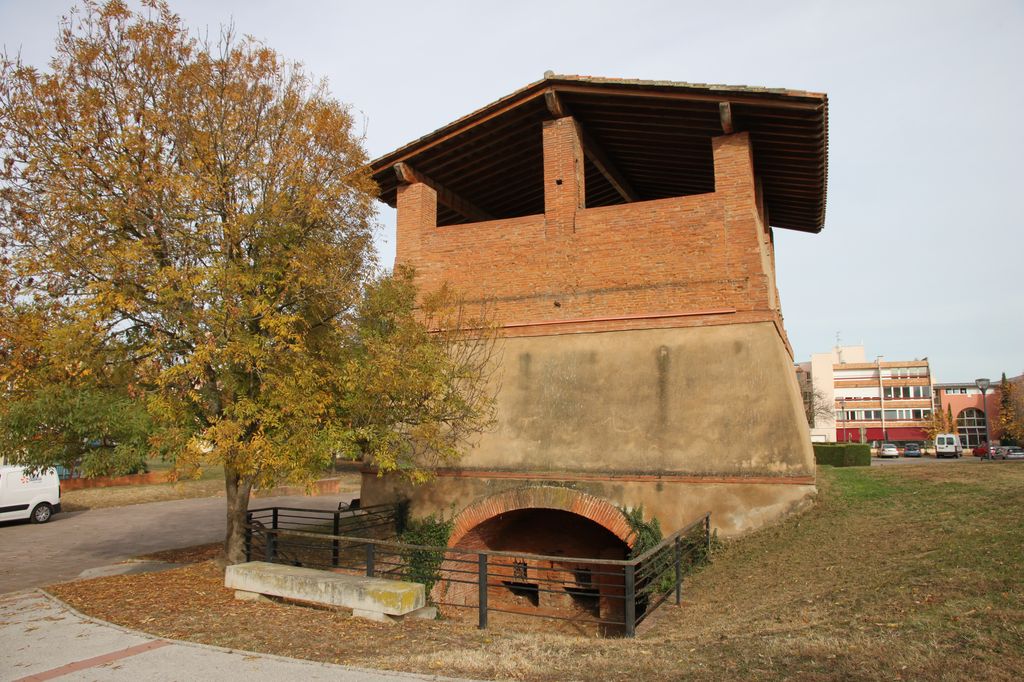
{"x":563,"y":588}
{"x":546,"y":531}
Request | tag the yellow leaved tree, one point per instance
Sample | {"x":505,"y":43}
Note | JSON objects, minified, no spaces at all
{"x":188,"y":227}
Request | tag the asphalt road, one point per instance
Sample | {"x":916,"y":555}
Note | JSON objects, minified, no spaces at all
{"x":33,"y":555}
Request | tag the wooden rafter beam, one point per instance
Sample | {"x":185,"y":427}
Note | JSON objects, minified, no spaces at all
{"x":607,"y":168}
{"x":725,"y":115}
{"x":593,"y":150}
{"x":554,"y":104}
{"x":409,"y":175}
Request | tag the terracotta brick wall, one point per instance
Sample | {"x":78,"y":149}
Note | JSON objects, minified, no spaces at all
{"x":708,"y":252}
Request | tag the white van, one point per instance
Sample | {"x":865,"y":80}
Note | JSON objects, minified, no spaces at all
{"x":24,"y":495}
{"x":948,"y":445}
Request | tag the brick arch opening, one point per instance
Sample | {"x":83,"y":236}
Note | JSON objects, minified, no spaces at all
{"x":567,"y":529}
{"x":590,"y":507}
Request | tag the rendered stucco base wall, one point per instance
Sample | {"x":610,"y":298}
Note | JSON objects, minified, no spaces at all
{"x":681,"y":421}
{"x":735,"y":507}
{"x":700,"y":400}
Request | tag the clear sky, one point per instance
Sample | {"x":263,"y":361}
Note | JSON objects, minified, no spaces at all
{"x":923,"y":248}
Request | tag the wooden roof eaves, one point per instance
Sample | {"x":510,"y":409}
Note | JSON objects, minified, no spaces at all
{"x":459,"y":126}
{"x":800,"y":110}
{"x":783,"y":99}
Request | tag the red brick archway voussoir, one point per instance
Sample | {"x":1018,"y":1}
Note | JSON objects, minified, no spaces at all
{"x":600,"y":511}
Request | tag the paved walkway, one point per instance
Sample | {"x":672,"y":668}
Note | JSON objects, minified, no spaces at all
{"x":42,"y":639}
{"x":36,"y":555}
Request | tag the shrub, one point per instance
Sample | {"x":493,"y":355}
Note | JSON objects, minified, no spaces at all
{"x":424,"y":564}
{"x":842,"y":454}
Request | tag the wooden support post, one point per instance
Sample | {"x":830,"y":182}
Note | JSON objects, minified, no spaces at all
{"x":725,"y":115}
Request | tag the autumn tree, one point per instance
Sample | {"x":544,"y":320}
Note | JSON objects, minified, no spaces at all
{"x":1009,"y":427}
{"x":936,"y":425}
{"x":1017,"y":427}
{"x":187,"y":224}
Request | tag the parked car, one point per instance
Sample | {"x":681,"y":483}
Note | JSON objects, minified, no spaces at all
{"x":888,"y":450}
{"x":1014,"y":452}
{"x":911,"y":450}
{"x":998,"y":453}
{"x":948,"y":445}
{"x":983,"y":450}
{"x":27,"y":495}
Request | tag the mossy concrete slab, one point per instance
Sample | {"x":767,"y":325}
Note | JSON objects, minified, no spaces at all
{"x":361,"y":594}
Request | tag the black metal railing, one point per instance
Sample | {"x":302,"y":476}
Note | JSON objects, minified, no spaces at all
{"x":264,"y":542}
{"x":613,"y":595}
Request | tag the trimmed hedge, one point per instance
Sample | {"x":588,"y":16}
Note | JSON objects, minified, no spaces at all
{"x":842,"y":454}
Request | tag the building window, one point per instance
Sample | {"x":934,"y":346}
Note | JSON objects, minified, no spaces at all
{"x":899,"y":392}
{"x":970,"y":425}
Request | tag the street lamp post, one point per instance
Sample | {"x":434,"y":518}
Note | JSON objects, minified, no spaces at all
{"x":842,"y":403}
{"x":983,"y":385}
{"x":881,"y":398}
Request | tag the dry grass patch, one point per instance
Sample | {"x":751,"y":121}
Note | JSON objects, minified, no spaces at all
{"x":124,"y":495}
{"x":212,"y":485}
{"x":187,"y":555}
{"x":909,"y":572}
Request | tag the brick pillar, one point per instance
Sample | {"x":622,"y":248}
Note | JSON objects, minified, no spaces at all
{"x":745,"y":234}
{"x":417,"y":216}
{"x":564,"y":188}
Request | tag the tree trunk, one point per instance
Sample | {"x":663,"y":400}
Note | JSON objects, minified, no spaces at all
{"x":237,"y":489}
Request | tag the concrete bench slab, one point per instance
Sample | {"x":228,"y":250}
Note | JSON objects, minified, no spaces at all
{"x":374,"y":598}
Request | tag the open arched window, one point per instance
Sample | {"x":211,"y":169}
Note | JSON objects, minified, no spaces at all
{"x":970,"y":425}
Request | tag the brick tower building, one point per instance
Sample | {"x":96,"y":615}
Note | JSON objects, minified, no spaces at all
{"x":622,"y":231}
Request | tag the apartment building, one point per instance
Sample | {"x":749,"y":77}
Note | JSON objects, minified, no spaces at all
{"x":863,"y":401}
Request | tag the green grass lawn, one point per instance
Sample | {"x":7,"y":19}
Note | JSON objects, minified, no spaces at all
{"x":913,"y":572}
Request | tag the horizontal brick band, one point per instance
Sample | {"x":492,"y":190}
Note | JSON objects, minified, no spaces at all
{"x":618,"y":318}
{"x":614,"y":477}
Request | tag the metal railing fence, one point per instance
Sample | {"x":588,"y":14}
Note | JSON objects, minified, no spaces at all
{"x":616,"y":595}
